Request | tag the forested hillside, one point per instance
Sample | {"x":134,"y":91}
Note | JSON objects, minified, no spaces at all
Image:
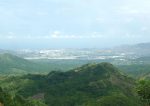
{"x":13,"y":65}
{"x":89,"y":85}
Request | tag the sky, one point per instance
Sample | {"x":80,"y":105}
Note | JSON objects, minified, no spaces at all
{"x":41,"y":24}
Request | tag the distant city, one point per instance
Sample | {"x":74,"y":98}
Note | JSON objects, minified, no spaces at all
{"x":119,"y":55}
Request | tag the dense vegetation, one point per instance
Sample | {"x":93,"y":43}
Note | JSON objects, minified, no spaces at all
{"x":8,"y":100}
{"x":89,"y":85}
{"x":137,"y":70}
{"x":13,"y":65}
{"x":143,"y":90}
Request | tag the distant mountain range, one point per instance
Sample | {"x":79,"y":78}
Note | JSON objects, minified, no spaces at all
{"x":142,"y":49}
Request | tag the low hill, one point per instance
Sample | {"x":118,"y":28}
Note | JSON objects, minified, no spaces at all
{"x":136,"y":70}
{"x":89,"y":85}
{"x":13,"y":65}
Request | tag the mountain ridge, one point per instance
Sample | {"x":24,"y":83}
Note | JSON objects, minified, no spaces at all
{"x":14,"y":65}
{"x":87,"y":85}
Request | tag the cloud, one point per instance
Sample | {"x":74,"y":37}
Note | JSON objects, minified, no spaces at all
{"x":11,"y":37}
{"x":54,"y":35}
{"x":137,"y":8}
{"x":58,"y":35}
{"x":77,"y":36}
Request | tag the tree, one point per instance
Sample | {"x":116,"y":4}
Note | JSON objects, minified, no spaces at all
{"x":143,"y":90}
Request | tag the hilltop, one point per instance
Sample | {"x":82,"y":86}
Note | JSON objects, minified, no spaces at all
{"x":89,"y":85}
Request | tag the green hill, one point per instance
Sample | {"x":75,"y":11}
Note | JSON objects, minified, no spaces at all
{"x":137,"y":70}
{"x":13,"y":65}
{"x":89,"y":85}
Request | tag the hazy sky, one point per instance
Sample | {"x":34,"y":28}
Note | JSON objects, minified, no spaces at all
{"x":73,"y":23}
